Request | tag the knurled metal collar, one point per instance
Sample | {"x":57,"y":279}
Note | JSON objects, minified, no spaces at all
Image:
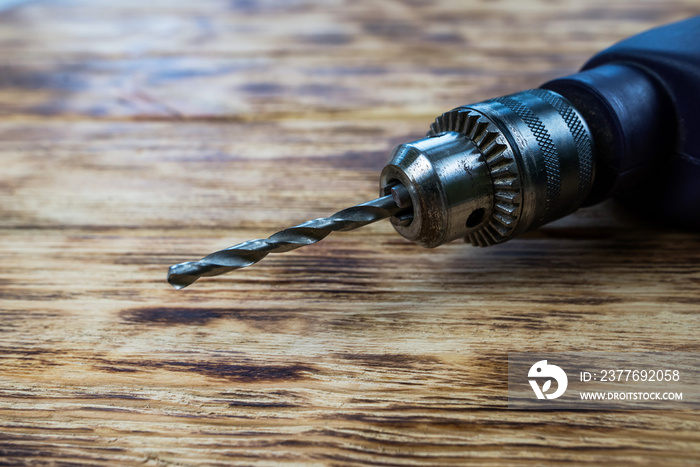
{"x":503,"y":168}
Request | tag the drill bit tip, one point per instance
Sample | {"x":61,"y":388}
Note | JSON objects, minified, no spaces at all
{"x":183,"y":274}
{"x":250,"y":252}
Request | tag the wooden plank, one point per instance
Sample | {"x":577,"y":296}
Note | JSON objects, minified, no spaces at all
{"x":139,"y":134}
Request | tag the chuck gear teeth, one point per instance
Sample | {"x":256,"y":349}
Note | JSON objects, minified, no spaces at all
{"x":499,"y":158}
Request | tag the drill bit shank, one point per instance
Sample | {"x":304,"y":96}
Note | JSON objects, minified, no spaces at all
{"x":250,"y":252}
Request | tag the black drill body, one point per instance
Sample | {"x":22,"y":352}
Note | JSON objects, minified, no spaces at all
{"x":641,"y":100}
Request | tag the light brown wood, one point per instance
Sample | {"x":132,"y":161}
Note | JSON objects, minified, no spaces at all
{"x":134,"y":135}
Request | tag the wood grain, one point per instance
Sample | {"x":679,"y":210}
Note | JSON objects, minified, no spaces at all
{"x":135,"y":135}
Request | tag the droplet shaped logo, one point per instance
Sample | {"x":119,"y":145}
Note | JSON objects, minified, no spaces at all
{"x":543,"y":370}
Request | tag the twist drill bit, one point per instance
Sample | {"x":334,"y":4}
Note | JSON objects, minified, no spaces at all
{"x":310,"y":232}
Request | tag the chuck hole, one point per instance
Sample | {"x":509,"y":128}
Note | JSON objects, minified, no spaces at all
{"x":476,"y":217}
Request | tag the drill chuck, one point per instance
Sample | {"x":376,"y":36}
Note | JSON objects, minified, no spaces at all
{"x":490,"y":171}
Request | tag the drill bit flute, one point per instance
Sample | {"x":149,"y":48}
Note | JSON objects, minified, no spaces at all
{"x":310,"y":232}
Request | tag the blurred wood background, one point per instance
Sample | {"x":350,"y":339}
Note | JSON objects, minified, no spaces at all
{"x":138,"y":134}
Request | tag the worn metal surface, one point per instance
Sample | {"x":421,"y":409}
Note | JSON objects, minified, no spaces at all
{"x":490,"y":171}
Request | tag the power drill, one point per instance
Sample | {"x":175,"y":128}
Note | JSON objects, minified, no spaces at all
{"x":627,"y":125}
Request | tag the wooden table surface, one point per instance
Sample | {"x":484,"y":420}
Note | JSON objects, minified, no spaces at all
{"x":138,"y":134}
